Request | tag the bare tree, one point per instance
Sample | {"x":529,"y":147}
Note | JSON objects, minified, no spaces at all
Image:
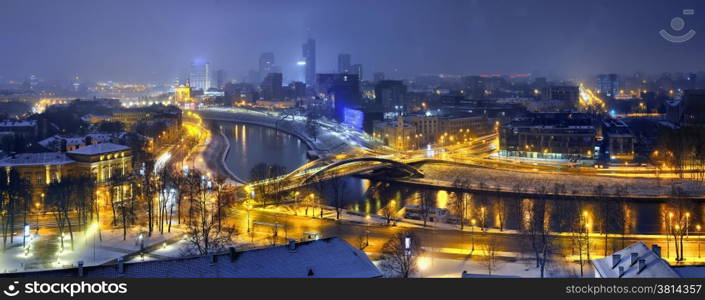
{"x":679,"y":208}
{"x":537,"y":229}
{"x":59,"y":195}
{"x":204,"y":235}
{"x":338,"y":185}
{"x":15,"y":192}
{"x":400,"y":254}
{"x":490,"y":249}
{"x":389,"y":211}
{"x":459,"y":206}
{"x":271,"y":189}
{"x":426,"y":204}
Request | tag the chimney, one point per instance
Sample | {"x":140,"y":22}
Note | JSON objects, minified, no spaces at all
{"x":621,"y":271}
{"x":642,"y":265}
{"x":292,"y":245}
{"x":121,"y":265}
{"x":615,"y":260}
{"x":656,"y":249}
{"x":634,"y":258}
{"x":80,"y":268}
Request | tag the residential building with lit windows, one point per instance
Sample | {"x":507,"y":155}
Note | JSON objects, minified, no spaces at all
{"x":556,"y":136}
{"x":396,"y":134}
{"x":449,"y":129}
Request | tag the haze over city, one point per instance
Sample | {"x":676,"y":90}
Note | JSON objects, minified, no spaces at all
{"x":135,"y":41}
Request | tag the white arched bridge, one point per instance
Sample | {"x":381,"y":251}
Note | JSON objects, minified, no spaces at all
{"x":323,"y":169}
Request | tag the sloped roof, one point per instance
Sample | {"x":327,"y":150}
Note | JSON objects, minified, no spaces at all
{"x":99,"y":149}
{"x":30,"y":159}
{"x":656,"y":267}
{"x":325,"y":258}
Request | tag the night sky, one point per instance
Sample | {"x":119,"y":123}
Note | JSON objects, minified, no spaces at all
{"x":133,"y":41}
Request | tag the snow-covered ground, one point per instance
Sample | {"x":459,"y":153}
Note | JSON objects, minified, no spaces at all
{"x":579,"y":184}
{"x":45,"y":251}
{"x":430,"y":267}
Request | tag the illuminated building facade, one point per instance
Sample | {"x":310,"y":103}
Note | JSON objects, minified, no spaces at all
{"x":447,"y":130}
{"x":40,"y":169}
{"x":182,"y":93}
{"x":396,"y":134}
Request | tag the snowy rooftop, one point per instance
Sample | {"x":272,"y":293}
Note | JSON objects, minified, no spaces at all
{"x":690,"y":271}
{"x":325,"y":258}
{"x":29,"y":159}
{"x":654,"y":266}
{"x":99,"y":149}
{"x":25,"y":123}
{"x":53,"y":142}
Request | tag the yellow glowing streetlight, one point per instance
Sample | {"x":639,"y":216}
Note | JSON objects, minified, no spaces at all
{"x":472,"y":233}
{"x":698,"y":228}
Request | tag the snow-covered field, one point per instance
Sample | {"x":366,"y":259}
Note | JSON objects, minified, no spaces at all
{"x":45,"y":252}
{"x":578,"y":184}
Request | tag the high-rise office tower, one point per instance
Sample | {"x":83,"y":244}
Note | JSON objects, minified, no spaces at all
{"x":199,"y":78}
{"x":343,"y":63}
{"x":391,"y":94}
{"x":356,"y":69}
{"x":309,"y":54}
{"x":342,"y":89}
{"x":220,"y":78}
{"x":266,"y":63}
{"x":272,"y":87}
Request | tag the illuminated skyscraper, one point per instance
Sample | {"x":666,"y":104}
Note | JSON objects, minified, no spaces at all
{"x":309,"y":54}
{"x":199,"y":77}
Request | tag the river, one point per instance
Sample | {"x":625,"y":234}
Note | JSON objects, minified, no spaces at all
{"x":252,"y":144}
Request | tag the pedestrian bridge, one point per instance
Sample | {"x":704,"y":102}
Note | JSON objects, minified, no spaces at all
{"x":320,"y":173}
{"x":321,"y":170}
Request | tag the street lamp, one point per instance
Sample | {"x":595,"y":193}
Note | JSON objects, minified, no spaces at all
{"x":687,"y":225}
{"x":670,"y":230}
{"x":407,"y":245}
{"x":38,"y":206}
{"x":697,"y":227}
{"x":472,"y":234}
{"x":367,"y":230}
{"x":248,"y":207}
{"x":482,"y":218}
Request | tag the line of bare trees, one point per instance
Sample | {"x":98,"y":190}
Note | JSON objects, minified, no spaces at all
{"x":15,"y":199}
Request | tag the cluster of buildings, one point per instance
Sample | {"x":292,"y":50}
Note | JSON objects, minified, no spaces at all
{"x":534,"y":118}
{"x":50,"y":152}
{"x":102,"y":161}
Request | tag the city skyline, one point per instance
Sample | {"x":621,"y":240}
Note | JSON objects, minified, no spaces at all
{"x":156,"y":41}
